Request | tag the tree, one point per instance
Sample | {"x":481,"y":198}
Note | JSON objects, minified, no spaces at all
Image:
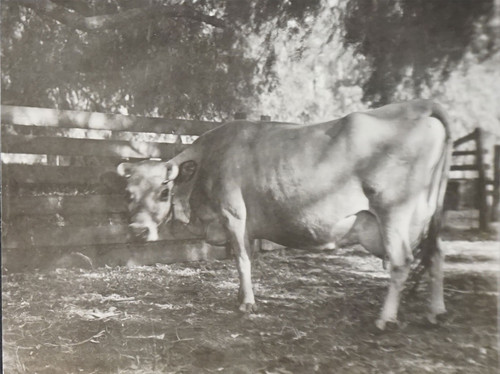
{"x":294,"y":59}
{"x":417,"y":42}
{"x":167,"y":58}
{"x":354,"y":54}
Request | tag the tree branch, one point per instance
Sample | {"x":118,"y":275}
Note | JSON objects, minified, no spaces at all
{"x":75,"y":20}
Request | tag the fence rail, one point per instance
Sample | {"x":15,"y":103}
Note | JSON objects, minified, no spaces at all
{"x":28,"y":116}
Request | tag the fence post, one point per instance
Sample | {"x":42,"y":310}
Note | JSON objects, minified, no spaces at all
{"x":263,"y":118}
{"x":481,"y":188}
{"x":495,"y":207}
{"x":53,"y":160}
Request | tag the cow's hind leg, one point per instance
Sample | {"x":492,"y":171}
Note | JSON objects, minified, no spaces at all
{"x":435,"y":268}
{"x":395,"y":235}
{"x":432,"y":262}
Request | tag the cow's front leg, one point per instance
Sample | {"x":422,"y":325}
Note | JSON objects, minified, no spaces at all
{"x":240,"y":245}
{"x":389,"y":313}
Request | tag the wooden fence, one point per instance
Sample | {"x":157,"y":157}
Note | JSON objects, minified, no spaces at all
{"x":62,"y":200}
{"x":483,"y":186}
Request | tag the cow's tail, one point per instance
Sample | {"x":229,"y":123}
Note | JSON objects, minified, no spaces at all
{"x":429,"y":243}
{"x":442,"y":169}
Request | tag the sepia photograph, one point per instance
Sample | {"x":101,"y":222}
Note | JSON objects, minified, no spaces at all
{"x":250,"y":186}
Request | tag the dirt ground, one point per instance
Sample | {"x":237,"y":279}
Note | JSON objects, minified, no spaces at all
{"x":317,"y":313}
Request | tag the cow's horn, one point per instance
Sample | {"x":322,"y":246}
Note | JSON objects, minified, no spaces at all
{"x":172,"y":171}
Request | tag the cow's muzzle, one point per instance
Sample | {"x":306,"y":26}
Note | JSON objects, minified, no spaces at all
{"x":144,"y":233}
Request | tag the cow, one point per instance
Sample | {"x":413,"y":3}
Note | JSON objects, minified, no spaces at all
{"x":375,"y":178}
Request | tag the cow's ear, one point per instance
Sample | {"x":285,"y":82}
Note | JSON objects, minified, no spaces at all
{"x":124,"y":169}
{"x":186,"y":171}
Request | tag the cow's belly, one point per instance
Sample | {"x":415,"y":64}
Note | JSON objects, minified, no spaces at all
{"x":309,"y":221}
{"x":324,"y":236}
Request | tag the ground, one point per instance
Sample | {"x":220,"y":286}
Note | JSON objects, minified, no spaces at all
{"x":317,"y":313}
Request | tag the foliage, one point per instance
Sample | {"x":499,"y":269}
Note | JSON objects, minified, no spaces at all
{"x":472,"y":98}
{"x":347,"y":57}
{"x":295,"y":60}
{"x":311,"y":76}
{"x":147,"y":62}
{"x":416,"y":41}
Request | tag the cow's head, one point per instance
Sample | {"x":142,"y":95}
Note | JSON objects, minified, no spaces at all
{"x":158,"y":192}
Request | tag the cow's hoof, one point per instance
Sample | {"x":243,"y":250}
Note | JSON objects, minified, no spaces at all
{"x":248,"y":308}
{"x":436,"y":318}
{"x":389,"y":325}
{"x":380,"y":323}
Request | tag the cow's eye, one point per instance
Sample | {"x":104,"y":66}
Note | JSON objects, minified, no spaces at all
{"x":164,"y":194}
